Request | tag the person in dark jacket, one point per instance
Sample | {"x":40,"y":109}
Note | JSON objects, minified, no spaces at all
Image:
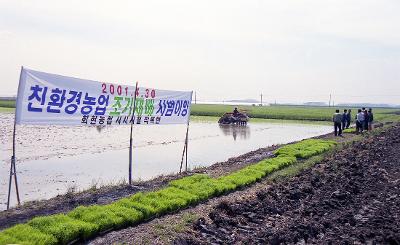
{"x":366,"y":119}
{"x":370,"y":119}
{"x":344,"y":119}
{"x":348,"y":119}
{"x":337,"y":123}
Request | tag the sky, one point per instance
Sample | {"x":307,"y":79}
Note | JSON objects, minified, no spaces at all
{"x":291,"y":51}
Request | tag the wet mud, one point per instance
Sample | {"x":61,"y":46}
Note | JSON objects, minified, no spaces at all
{"x":351,"y":197}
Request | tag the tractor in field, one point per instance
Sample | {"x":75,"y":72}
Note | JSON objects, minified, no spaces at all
{"x":237,"y":118}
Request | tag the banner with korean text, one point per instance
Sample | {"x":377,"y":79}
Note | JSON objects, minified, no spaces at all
{"x":45,"y":98}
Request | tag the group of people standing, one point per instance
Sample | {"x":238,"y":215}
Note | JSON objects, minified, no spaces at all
{"x":364,"y":119}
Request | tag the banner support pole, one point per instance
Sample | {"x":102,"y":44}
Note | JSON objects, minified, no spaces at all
{"x":13,"y":169}
{"x":185,"y":147}
{"x":131,"y":136}
{"x":187,"y":144}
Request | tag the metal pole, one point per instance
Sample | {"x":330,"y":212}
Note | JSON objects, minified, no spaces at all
{"x":13,"y":168}
{"x":131,"y":136}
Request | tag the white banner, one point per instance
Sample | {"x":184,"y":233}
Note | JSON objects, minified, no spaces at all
{"x":45,"y":98}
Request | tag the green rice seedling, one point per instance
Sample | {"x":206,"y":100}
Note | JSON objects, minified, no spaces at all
{"x":136,"y":202}
{"x":25,"y":234}
{"x":206,"y":188}
{"x":5,"y":239}
{"x":257,"y":174}
{"x":162,"y":204}
{"x":261,"y":167}
{"x":168,"y":199}
{"x":280,"y":162}
{"x":203,"y":188}
{"x":64,"y":228}
{"x":199,"y":185}
{"x":237,"y":180}
{"x":242,"y":178}
{"x":130,"y":216}
{"x":222,"y":186}
{"x":173,"y":193}
{"x":305,"y":148}
{"x":183,"y":182}
{"x":101,"y":216}
{"x":265,"y":167}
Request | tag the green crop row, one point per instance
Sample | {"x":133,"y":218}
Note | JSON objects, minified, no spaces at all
{"x":305,"y":148}
{"x":85,"y":222}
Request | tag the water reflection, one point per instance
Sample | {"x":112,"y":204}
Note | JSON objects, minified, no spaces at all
{"x":243,"y":131}
{"x":53,"y":158}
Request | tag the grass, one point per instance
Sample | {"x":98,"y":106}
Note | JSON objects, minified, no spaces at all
{"x":7,"y":103}
{"x":7,"y":110}
{"x":300,"y":113}
{"x":85,"y":222}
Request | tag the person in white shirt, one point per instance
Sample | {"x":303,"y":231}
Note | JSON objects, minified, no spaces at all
{"x":360,"y":117}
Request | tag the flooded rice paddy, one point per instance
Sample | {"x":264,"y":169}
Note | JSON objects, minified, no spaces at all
{"x":53,"y":159}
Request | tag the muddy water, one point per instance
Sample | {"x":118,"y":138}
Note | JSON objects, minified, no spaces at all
{"x":52,"y":159}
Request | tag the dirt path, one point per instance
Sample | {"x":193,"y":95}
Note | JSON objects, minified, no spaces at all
{"x":351,"y":198}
